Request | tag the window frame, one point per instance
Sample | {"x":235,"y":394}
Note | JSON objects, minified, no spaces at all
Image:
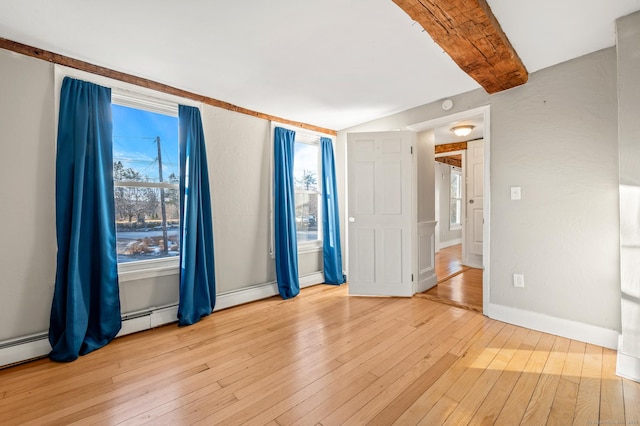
{"x":161,"y":102}
{"x":139,"y":102}
{"x":301,"y":135}
{"x":317,"y":244}
{"x":454,"y":226}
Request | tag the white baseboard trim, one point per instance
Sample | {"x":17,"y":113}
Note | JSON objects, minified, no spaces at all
{"x":261,"y":291}
{"x":553,"y":325}
{"x":36,"y":346}
{"x":426,"y":284}
{"x":627,"y":366}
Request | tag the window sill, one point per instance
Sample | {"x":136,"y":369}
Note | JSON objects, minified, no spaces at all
{"x":312,"y":247}
{"x":455,"y":227}
{"x":133,"y":271}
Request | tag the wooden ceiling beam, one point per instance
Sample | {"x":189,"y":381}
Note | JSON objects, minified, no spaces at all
{"x":470,"y":34}
{"x":449,"y":147}
{"x":66,"y":61}
{"x":455,"y":161}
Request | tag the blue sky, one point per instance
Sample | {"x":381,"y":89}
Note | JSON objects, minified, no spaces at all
{"x":134,"y":134}
{"x":306,"y":158}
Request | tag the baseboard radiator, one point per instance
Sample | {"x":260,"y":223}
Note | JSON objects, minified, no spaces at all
{"x":37,"y":345}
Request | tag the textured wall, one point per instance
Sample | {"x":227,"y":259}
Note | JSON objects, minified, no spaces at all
{"x":426,"y":184}
{"x":27,"y":215}
{"x":556,"y":137}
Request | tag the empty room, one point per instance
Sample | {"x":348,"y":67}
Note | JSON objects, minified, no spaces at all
{"x":346,"y":212}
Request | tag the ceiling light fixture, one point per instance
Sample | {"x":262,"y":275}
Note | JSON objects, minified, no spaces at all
{"x":463,"y":130}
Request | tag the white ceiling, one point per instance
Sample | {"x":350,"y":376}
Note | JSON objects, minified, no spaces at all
{"x":331,"y":63}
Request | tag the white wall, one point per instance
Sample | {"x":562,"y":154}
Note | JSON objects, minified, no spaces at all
{"x":238,"y":151}
{"x":555,"y":137}
{"x":628,"y":29}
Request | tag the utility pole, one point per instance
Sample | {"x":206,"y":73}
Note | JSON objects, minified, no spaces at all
{"x":165,"y":249}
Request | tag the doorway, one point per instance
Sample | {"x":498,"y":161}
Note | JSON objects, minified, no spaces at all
{"x":469,"y":285}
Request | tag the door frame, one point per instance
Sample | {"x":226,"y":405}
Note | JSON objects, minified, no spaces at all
{"x":485,"y":112}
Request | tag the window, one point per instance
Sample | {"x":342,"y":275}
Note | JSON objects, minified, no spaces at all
{"x":455,"y":198}
{"x":146,"y":174}
{"x":307,"y":175}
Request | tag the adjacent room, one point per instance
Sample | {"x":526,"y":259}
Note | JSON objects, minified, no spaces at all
{"x":364,"y":212}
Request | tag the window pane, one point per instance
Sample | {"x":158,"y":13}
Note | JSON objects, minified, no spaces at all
{"x":136,"y":136}
{"x":307,"y":217}
{"x":455,"y":212}
{"x":456,"y":188}
{"x":145,"y":149}
{"x":305,"y":166}
{"x":140,"y":230}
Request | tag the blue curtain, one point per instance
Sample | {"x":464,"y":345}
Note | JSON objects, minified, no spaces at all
{"x":197,"y":272}
{"x":285,"y":238}
{"x":332,"y":252}
{"x":85,"y":313}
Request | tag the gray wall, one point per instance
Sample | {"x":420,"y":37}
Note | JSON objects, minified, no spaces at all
{"x":628,"y":29}
{"x":555,"y":137}
{"x":425,"y":176}
{"x":443,"y":181}
{"x":239,"y":154}
{"x":27,"y":215}
{"x":238,"y":150}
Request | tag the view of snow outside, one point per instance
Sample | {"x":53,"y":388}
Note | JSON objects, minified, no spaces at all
{"x":145,"y":146}
{"x":306,"y":177}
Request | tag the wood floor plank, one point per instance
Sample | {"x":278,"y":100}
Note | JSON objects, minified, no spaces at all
{"x":412,"y":392}
{"x":387,"y":377}
{"x":491,"y":407}
{"x":387,"y":388}
{"x":611,"y":391}
{"x":520,"y":396}
{"x":479,"y":389}
{"x":396,"y":354}
{"x":427,"y":402}
{"x":326,"y":400}
{"x":539,"y":407}
{"x":588,"y":401}
{"x":101,"y":407}
{"x":361,"y":365}
{"x":463,"y":290}
{"x":631,"y":401}
{"x":326,"y":358}
{"x":439,"y":413}
{"x":567,"y":393}
{"x":275,"y":408}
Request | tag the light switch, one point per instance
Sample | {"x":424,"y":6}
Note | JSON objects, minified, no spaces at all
{"x":515,"y":193}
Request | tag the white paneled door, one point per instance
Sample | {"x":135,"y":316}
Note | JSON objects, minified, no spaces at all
{"x":381,"y":213}
{"x":475,"y":197}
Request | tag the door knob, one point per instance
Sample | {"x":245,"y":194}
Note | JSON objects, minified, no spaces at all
{"x":470,"y":201}
{"x":352,"y":219}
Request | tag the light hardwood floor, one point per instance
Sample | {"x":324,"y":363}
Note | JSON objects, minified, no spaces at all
{"x":449,"y":262}
{"x":325,"y":358}
{"x":458,"y":285}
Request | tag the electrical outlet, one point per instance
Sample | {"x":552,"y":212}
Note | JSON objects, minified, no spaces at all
{"x":518,"y":280}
